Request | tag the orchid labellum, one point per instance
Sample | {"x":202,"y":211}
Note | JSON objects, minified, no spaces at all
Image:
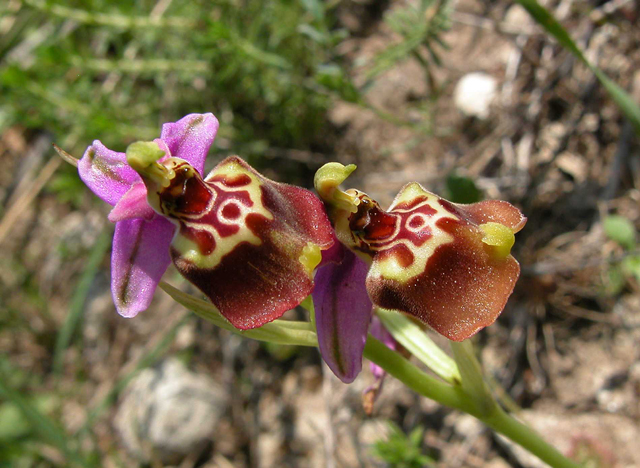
{"x":447,"y":265}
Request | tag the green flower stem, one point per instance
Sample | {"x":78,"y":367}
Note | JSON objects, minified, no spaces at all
{"x":417,"y":380}
{"x":526,"y":437}
{"x":456,"y":397}
{"x":461,"y":397}
{"x":472,"y":379}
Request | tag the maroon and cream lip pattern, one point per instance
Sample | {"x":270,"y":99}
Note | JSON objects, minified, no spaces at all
{"x":212,"y":214}
{"x":249,"y":243}
{"x":446,"y":264}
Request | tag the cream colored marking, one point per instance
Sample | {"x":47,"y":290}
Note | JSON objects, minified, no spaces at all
{"x":410,"y":192}
{"x":429,"y":201}
{"x":225,"y":245}
{"x":389,"y":268}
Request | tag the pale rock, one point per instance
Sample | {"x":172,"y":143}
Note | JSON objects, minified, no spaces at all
{"x":474,"y":94}
{"x":518,"y":18}
{"x":169,"y":412}
{"x":573,"y":165}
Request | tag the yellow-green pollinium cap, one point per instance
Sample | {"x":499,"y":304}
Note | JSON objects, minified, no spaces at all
{"x":327,"y":182}
{"x":500,"y":237}
{"x":142,"y":156}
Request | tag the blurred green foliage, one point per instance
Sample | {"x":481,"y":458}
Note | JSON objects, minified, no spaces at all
{"x":118,"y":69}
{"x":268,"y":69}
{"x":420,"y":26}
{"x":400,"y":450}
{"x":462,"y":189}
{"x":622,"y":230}
{"x":25,"y":422}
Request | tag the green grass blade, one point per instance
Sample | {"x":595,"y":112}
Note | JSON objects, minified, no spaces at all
{"x":48,"y":431}
{"x":630,"y":109}
{"x":79,"y":297}
{"x":111,"y":20}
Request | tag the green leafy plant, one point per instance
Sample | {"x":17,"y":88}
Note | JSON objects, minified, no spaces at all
{"x":621,"y":230}
{"x":420,"y":26}
{"x":28,"y":415}
{"x":400,"y":450}
{"x":462,"y":189}
{"x":113,"y":68}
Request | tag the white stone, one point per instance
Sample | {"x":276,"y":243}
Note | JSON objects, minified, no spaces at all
{"x":169,"y":412}
{"x":474,"y":94}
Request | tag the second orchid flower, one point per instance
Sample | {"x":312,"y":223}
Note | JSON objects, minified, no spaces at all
{"x":445,"y":264}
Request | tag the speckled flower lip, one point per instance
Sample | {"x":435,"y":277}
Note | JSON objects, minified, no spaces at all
{"x":448,"y":265}
{"x":249,"y":243}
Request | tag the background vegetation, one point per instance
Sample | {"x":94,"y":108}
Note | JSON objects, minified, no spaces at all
{"x":296,"y":83}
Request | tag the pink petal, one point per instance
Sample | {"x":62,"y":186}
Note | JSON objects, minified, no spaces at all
{"x":133,"y":204}
{"x":106,"y":172}
{"x":343,"y":313}
{"x":139,"y":258}
{"x":191,"y":137}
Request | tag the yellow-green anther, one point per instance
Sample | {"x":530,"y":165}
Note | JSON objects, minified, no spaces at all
{"x":142,"y":156}
{"x":498,"y":236}
{"x":311,"y":257}
{"x":327,"y":182}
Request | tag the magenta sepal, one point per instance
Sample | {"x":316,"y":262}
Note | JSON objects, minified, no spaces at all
{"x":106,"y":173}
{"x":139,"y":258}
{"x":190,"y":138}
{"x":343,"y":311}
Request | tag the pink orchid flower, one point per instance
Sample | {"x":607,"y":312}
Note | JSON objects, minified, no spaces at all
{"x":248,"y":243}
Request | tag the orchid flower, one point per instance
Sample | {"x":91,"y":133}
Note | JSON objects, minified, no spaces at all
{"x":248,"y":243}
{"x":140,"y":253}
{"x":448,"y":265}
{"x":252,"y":245}
{"x":258,"y":248}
